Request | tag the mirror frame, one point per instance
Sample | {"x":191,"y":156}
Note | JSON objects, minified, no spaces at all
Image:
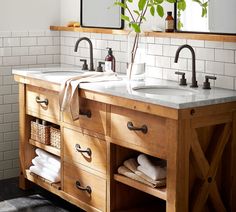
{"x":196,"y":32}
{"x":103,"y":27}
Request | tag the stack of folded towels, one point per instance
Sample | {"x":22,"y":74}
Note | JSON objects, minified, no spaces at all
{"x":147,"y":170}
{"x":46,"y":165}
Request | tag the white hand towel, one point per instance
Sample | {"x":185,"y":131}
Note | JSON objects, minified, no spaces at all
{"x":131,"y":164}
{"x":37,"y":161}
{"x":156,"y":172}
{"x":68,"y":96}
{"x":149,"y":162}
{"x":54,"y":160}
{"x":52,"y":178}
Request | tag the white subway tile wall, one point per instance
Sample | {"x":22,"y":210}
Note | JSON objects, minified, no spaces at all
{"x":22,"y":49}
{"x":19,"y":49}
{"x":212,"y":58}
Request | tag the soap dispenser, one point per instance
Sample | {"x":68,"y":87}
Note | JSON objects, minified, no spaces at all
{"x":110,"y":61}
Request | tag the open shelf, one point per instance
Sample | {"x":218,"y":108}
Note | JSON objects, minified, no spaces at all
{"x":157,"y":192}
{"x":42,"y":182}
{"x":92,"y":30}
{"x":47,"y":148}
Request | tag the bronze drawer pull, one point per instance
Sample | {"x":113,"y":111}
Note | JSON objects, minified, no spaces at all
{"x":144,"y":128}
{"x":85,"y":113}
{"x":87,"y":188}
{"x":78,"y":149}
{"x":39,"y":101}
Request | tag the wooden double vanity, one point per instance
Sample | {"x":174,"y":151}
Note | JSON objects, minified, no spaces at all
{"x":198,"y":143}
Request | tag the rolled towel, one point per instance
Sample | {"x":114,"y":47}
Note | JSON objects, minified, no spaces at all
{"x":156,"y":172}
{"x":54,"y":160}
{"x":145,"y":161}
{"x":132,"y":165}
{"x":37,"y":161}
{"x":46,"y":175}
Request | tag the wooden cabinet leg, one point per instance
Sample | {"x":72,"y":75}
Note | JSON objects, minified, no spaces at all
{"x":24,"y":184}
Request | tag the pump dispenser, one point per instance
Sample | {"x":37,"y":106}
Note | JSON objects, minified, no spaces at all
{"x":110,"y":61}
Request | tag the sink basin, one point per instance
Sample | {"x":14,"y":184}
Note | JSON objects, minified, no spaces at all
{"x":64,"y":73}
{"x":164,"y":90}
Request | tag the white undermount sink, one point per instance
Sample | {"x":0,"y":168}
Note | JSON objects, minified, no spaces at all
{"x":165,"y":90}
{"x":62,"y":72}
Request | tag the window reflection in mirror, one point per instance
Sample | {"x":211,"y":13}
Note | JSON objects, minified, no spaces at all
{"x":216,"y":17}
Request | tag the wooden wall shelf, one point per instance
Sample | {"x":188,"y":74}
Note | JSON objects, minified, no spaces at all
{"x":181,"y":35}
{"x":91,"y":30}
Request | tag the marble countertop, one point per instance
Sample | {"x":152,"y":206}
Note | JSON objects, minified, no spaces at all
{"x":124,"y":88}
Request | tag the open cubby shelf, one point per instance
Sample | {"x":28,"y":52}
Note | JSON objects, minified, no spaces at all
{"x":41,"y":181}
{"x":157,"y":192}
{"x":47,"y":148}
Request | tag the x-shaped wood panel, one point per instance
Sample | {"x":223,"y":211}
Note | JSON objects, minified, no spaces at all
{"x":207,"y":171}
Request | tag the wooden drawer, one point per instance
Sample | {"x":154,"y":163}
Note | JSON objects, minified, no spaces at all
{"x":97,"y":121}
{"x":97,"y":147}
{"x":153,"y":141}
{"x":33,"y":107}
{"x":97,"y":197}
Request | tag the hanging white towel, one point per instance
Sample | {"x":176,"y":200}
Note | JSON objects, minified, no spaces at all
{"x":69,"y":98}
{"x":45,"y":174}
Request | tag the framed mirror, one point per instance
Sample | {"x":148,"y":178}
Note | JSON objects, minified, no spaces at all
{"x":100,"y":14}
{"x":206,"y":16}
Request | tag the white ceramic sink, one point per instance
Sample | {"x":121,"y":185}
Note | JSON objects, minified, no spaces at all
{"x":165,"y":90}
{"x":61,"y":72}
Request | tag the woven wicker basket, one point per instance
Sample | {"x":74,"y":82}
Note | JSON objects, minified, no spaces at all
{"x":40,"y":133}
{"x":55,"y":137}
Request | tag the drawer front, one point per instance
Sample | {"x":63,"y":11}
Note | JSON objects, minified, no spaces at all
{"x":74,"y":176}
{"x":95,"y":150}
{"x":50,"y":105}
{"x":154,"y":140}
{"x":97,"y":121}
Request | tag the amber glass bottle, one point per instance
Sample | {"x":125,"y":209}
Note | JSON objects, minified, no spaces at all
{"x":169,"y":23}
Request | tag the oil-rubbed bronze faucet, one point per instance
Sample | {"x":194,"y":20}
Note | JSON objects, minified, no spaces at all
{"x":194,"y":81}
{"x":91,"y":67}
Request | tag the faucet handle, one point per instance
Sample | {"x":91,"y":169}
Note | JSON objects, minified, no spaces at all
{"x":206,"y":84}
{"x":183,"y":80}
{"x":85,"y":65}
{"x":99,"y":68}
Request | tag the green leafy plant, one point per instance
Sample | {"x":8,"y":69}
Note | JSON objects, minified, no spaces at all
{"x":181,"y":6}
{"x":137,"y":16}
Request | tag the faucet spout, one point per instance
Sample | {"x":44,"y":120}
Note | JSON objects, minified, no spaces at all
{"x":194,"y":81}
{"x":90,"y":48}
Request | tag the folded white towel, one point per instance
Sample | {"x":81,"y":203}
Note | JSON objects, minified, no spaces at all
{"x":153,"y":169}
{"x":156,"y":173}
{"x":45,"y":174}
{"x":54,"y":160}
{"x":68,"y":96}
{"x":38,"y":161}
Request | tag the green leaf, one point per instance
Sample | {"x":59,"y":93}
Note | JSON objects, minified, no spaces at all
{"x":131,"y":1}
{"x":137,"y":12}
{"x":143,"y":18}
{"x":160,"y":10}
{"x":159,"y":1}
{"x":125,"y":18}
{"x":136,"y":27}
{"x":205,"y":4}
{"x":152,"y":10}
{"x":181,"y":5}
{"x":141,"y":4}
{"x":171,"y":1}
{"x":120,"y":4}
{"x":197,"y":1}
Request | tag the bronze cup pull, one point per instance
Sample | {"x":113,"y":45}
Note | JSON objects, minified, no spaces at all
{"x":88,"y":150}
{"x":87,"y":188}
{"x":143,"y":128}
{"x":39,"y":101}
{"x":85,"y":113}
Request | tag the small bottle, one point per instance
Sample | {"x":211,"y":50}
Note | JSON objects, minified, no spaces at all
{"x":110,"y":61}
{"x":169,"y":22}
